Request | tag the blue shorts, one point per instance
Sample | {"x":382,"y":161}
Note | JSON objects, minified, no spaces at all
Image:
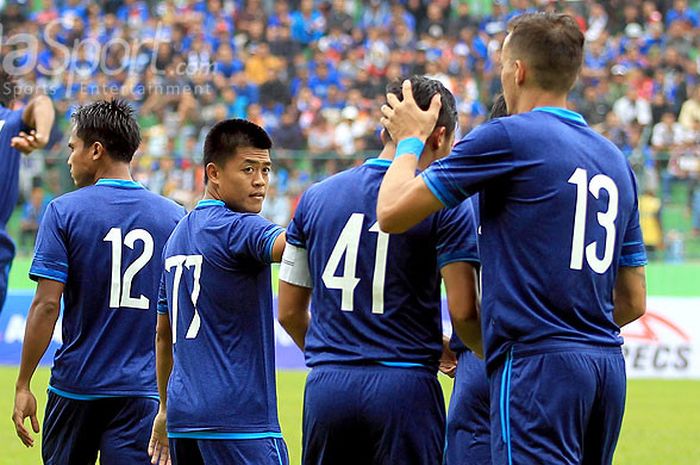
{"x":468,"y":419}
{"x":119,"y":428}
{"x":372,"y":414}
{"x":267,"y":451}
{"x":7,"y":254}
{"x":558,"y":406}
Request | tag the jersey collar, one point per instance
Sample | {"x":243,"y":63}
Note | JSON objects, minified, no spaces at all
{"x":563,"y":113}
{"x":209,"y":203}
{"x":124,"y":183}
{"x":380,"y":162}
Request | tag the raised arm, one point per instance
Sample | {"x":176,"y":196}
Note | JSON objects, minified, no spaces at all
{"x":41,"y":322}
{"x":39,"y":115}
{"x":405,"y":200}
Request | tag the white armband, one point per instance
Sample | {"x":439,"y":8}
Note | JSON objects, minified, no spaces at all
{"x":295,"y":266}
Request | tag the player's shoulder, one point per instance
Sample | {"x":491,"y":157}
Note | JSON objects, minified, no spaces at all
{"x":8,"y":113}
{"x":163,"y":204}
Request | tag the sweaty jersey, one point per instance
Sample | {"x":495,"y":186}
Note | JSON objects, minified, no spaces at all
{"x":558,"y":208}
{"x":10,"y":125}
{"x":219,"y":301}
{"x":103,"y":242}
{"x":376,"y":296}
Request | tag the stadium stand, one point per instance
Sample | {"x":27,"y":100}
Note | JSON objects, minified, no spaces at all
{"x":312,"y":72}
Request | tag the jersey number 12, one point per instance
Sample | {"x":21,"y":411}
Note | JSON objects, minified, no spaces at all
{"x":120,"y":288}
{"x":348,"y":244}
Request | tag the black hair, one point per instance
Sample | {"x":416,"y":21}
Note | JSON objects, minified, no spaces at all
{"x":499,"y":108}
{"x":112,"y":124}
{"x":226,"y":137}
{"x":8,"y":90}
{"x":423,"y":89}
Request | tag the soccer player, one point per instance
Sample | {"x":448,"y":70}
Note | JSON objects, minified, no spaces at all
{"x":374,"y":338}
{"x":21,"y":131}
{"x":560,"y":246}
{"x":98,"y":247}
{"x":468,"y":437}
{"x":218,"y":388}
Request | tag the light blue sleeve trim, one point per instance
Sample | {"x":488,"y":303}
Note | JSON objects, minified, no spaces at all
{"x":217,"y":435}
{"x":634,"y":260}
{"x":448,"y":258}
{"x":162,"y":309}
{"x":272,"y":236}
{"x":74,"y":396}
{"x":42,"y":258}
{"x":627,"y":244}
{"x":439,"y":190}
{"x":403,"y":364}
{"x":35,"y":273}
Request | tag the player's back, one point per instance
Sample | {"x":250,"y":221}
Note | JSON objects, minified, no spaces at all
{"x":104,"y":243}
{"x":220,"y":303}
{"x":554,"y":234}
{"x":376,"y":297}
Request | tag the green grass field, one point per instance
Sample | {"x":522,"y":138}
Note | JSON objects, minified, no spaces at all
{"x":661,"y":426}
{"x":662,"y":422}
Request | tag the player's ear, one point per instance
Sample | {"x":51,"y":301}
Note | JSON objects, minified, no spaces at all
{"x":212,"y":172}
{"x":520,"y":72}
{"x":438,"y":138}
{"x":97,"y":150}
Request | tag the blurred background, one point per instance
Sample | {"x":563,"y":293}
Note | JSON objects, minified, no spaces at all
{"x":313,"y":74}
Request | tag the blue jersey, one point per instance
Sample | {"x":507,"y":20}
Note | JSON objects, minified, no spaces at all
{"x":219,"y":300}
{"x":10,"y":126}
{"x":104,"y":242}
{"x":558,"y":210}
{"x":376,"y":297}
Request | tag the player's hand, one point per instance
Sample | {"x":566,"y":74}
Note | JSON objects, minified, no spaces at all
{"x":27,"y":143}
{"x":25,"y":406}
{"x":158,"y":448}
{"x":404,"y":118}
{"x":448,"y":360}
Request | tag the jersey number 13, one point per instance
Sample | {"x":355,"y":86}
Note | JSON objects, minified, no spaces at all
{"x":605,"y":219}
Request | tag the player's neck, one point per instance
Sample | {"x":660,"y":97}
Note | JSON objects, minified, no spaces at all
{"x":388,"y":152}
{"x":538,"y":98}
{"x":211,"y":193}
{"x":114,"y":171}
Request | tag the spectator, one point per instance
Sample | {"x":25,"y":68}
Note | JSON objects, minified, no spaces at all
{"x":650,"y":222}
{"x":632,"y":109}
{"x":32,"y":214}
{"x":690,"y":112}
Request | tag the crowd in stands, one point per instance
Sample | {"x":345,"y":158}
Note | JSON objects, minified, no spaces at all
{"x":313,"y":74}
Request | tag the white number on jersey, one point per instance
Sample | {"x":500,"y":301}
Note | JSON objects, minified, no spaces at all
{"x":120,"y":289}
{"x":189,"y":261}
{"x":605,"y":219}
{"x":348,"y":245}
{"x":2,"y":124}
